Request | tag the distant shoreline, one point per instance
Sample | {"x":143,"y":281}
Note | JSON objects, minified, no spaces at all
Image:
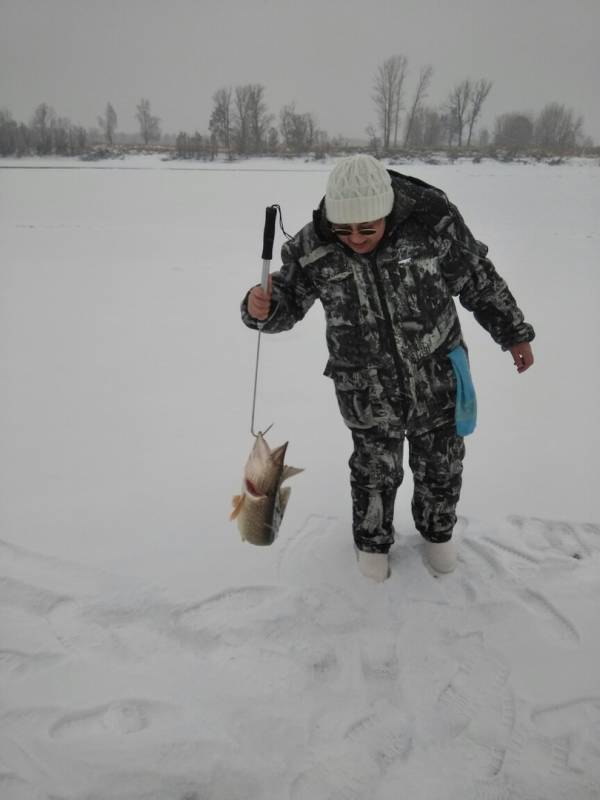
{"x":155,"y":161}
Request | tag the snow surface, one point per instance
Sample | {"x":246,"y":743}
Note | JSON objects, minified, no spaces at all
{"x":146,"y":653}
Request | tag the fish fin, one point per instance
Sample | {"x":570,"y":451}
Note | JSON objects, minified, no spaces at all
{"x":237,"y":502}
{"x":278,"y":454}
{"x":289,"y":472}
{"x":284,"y":496}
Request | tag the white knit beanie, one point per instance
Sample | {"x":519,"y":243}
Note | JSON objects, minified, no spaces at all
{"x":359,"y":189}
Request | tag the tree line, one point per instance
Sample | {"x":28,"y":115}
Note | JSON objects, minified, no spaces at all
{"x":406,"y":122}
{"x":241,"y":124}
{"x":46,"y":134}
{"x":50,"y":134}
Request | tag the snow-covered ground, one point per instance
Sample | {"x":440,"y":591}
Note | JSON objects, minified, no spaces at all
{"x":146,"y":653}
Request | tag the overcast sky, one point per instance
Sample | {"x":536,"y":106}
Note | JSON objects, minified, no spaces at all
{"x":78,"y":54}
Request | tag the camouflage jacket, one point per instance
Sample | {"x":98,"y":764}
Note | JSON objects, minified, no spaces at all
{"x":390,"y":310}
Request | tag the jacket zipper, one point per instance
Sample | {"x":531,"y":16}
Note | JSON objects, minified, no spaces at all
{"x":389,"y":328}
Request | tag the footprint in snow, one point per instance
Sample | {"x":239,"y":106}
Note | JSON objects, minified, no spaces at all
{"x":521,"y":557}
{"x":76,"y":629}
{"x":33,"y":599}
{"x":556,"y":771}
{"x":12,"y":787}
{"x":487,"y":558}
{"x":380,"y":664}
{"x":122,"y":717}
{"x":477,"y":707}
{"x":348,"y":775}
{"x":385,"y":735}
{"x":558,"y":626}
{"x":239,"y":615}
{"x":244,"y":613}
{"x":499,"y":558}
{"x":579,"y":720}
{"x":557,"y":537}
{"x":14,"y":663}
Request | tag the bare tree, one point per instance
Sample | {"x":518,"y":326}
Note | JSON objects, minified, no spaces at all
{"x":220,"y":125}
{"x":195,"y":146}
{"x":387,"y":95}
{"x":214,"y":147}
{"x":420,"y":94}
{"x":149,"y":124}
{"x":241,"y":118}
{"x":62,"y":141}
{"x":8,"y":133}
{"x":479,"y":92}
{"x":513,"y":131}
{"x":259,"y":119}
{"x":298,"y":131}
{"x":14,"y":137}
{"x":108,"y":123}
{"x":556,"y":128}
{"x":310,"y":129}
{"x":374,"y":140}
{"x":272,"y":140}
{"x":398,"y":106}
{"x":433,"y":127}
{"x":291,"y":128}
{"x":457,"y":104}
{"x":320,"y":141}
{"x":483,"y":140}
{"x":23,"y":140}
{"x":41,"y":124}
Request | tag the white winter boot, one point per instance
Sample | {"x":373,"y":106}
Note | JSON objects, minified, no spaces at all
{"x":375,"y":566}
{"x":441,"y":556}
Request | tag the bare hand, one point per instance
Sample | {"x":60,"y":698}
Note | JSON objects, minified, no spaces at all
{"x":522,"y":356}
{"x":259,"y":302}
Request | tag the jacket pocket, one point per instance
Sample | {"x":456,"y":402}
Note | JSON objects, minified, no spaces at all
{"x":336,"y":289}
{"x":361,"y":397}
{"x":435,"y":393}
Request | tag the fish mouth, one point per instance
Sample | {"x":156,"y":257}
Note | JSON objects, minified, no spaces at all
{"x":252,"y":489}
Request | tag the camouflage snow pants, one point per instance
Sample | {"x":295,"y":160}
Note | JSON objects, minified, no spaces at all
{"x":383,"y":408}
{"x":376,"y":472}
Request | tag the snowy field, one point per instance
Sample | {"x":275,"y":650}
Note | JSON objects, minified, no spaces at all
{"x":146,"y":653}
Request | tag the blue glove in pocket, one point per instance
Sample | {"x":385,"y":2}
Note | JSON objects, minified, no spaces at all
{"x":466,"y":401}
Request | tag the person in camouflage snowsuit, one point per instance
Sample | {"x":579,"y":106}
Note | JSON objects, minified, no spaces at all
{"x":387,"y":286}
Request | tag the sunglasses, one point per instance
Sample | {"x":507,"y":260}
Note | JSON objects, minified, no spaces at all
{"x":346,"y":230}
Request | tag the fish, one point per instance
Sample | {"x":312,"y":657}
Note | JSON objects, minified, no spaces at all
{"x":259,"y":509}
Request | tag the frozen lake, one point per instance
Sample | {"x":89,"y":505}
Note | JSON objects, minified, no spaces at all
{"x":147,"y":652}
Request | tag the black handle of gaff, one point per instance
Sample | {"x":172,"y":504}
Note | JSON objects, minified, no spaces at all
{"x":268,"y":239}
{"x":269,"y":234}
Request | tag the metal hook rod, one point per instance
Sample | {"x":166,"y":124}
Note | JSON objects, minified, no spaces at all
{"x":254,"y":392}
{"x":267,"y":255}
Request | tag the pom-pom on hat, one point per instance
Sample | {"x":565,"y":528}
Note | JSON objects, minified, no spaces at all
{"x":359,"y":189}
